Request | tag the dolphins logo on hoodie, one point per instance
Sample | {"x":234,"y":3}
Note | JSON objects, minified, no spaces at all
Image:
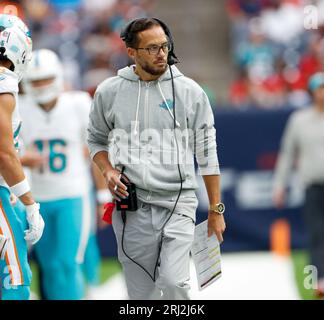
{"x":166,"y":104}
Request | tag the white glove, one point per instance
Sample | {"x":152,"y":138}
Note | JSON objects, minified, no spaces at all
{"x":36,"y":223}
{"x":3,"y":246}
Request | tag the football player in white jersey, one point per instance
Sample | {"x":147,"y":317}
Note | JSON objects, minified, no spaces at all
{"x":15,"y":274}
{"x":55,"y":124}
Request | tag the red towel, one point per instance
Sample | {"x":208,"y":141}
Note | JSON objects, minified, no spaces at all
{"x":109,"y":208}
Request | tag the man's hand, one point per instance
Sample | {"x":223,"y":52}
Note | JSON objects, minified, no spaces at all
{"x":3,"y":246}
{"x":216,"y":224}
{"x":115,"y":186}
{"x":36,"y":224}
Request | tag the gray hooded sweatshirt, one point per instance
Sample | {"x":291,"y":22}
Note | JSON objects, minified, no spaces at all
{"x":133,"y":120}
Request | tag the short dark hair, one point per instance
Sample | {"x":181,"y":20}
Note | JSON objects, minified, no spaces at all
{"x":139,"y":25}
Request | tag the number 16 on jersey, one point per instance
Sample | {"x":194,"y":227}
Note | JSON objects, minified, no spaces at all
{"x":55,"y":149}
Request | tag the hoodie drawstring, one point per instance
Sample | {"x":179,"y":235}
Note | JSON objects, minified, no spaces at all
{"x":138,"y":103}
{"x":167,"y":105}
{"x":137,"y":107}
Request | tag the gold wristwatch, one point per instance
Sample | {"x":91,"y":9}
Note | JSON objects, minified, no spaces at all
{"x":218,"y":208}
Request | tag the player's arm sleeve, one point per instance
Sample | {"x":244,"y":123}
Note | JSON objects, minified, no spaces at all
{"x":202,"y":136}
{"x":287,"y":154}
{"x":9,"y":82}
{"x":99,"y":126}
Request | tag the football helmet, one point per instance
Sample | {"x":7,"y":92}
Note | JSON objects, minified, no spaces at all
{"x":15,"y":43}
{"x":45,"y":64}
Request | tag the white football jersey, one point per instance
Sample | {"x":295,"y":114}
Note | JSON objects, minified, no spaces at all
{"x":9,"y":84}
{"x":60,"y":136}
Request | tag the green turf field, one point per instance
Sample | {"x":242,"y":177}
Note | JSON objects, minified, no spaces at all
{"x":109,"y":267}
{"x":300,"y":260}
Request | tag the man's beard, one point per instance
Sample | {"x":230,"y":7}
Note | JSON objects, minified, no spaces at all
{"x":153,"y":71}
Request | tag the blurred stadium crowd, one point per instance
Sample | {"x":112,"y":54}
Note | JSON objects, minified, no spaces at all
{"x":274,"y":54}
{"x":85,"y":34}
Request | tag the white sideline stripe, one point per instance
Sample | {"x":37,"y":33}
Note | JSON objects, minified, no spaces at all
{"x":250,"y":276}
{"x":246,"y":276}
{"x":113,"y":289}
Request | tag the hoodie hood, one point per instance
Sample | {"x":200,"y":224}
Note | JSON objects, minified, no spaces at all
{"x":129,"y":74}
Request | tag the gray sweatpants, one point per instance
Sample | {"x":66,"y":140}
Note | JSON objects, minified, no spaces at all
{"x":141,"y":241}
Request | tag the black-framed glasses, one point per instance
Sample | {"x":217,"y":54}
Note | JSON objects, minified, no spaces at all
{"x":155,"y":49}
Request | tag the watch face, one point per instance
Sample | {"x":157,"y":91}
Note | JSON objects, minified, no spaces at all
{"x":221,"y":207}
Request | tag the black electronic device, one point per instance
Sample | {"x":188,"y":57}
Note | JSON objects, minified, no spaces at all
{"x":130,"y":203}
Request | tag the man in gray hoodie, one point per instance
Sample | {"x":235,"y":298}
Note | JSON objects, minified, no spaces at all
{"x":152,"y":120}
{"x":303,"y":140}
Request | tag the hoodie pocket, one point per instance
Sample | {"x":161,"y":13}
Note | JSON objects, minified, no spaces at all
{"x":154,"y":170}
